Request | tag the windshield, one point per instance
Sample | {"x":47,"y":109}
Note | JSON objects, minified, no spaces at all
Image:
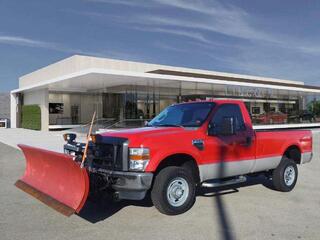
{"x":185,"y":115}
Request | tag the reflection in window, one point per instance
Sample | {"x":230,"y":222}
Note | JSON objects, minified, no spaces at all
{"x":186,"y":115}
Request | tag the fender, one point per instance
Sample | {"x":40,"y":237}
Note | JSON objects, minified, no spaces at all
{"x":160,"y":156}
{"x":298,"y":143}
{"x":289,"y":144}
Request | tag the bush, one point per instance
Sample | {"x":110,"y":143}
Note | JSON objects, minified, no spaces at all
{"x":31,"y":117}
{"x":316,"y":108}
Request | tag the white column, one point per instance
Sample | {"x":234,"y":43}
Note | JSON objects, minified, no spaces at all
{"x":45,"y":110}
{"x":13,"y":110}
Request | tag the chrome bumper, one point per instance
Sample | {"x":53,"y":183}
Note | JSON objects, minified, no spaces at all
{"x":306,"y":157}
{"x":131,"y":185}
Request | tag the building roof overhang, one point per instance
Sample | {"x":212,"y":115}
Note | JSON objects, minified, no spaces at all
{"x":95,"y":79}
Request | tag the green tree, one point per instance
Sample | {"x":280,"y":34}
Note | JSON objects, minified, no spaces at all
{"x":316,"y":108}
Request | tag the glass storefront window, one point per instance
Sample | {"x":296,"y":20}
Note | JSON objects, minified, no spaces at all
{"x":142,"y":101}
{"x":74,"y":108}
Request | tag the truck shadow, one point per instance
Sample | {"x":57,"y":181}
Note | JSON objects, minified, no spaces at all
{"x":104,"y":207}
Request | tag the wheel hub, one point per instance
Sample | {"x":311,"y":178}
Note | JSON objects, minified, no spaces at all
{"x":177,"y":192}
{"x":289,"y":175}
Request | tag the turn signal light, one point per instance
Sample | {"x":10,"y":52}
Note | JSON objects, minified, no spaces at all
{"x":139,"y":159}
{"x":94,"y":138}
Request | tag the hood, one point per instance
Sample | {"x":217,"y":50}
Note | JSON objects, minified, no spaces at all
{"x":139,"y":135}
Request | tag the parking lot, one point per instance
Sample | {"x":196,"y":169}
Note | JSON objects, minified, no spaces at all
{"x":247,"y":211}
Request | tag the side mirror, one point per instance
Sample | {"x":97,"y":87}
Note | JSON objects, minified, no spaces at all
{"x":227,"y":127}
{"x":146,"y":123}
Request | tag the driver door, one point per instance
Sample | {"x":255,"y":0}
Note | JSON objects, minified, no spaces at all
{"x":229,"y":155}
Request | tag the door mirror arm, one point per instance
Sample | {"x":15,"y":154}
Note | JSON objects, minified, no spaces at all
{"x":212,"y":130}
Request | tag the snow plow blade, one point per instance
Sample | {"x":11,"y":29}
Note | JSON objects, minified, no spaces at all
{"x":54,"y":179}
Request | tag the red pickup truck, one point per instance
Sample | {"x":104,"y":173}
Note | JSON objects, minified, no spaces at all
{"x":188,"y":145}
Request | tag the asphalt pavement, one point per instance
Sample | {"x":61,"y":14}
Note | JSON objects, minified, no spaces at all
{"x":247,"y":211}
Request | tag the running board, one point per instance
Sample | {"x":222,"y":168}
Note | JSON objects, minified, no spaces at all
{"x":218,"y":183}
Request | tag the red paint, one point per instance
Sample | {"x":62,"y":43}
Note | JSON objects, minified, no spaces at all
{"x":166,"y":141}
{"x":56,"y":175}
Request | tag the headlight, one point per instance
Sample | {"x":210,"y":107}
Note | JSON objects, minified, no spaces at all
{"x":69,"y":137}
{"x":139,"y":158}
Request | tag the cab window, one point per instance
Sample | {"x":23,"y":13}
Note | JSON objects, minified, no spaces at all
{"x":227,"y":111}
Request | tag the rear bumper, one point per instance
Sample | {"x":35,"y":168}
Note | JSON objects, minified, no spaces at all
{"x":131,"y":185}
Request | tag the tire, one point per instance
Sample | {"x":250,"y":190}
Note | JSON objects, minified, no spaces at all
{"x":174,"y":190}
{"x":285,"y":176}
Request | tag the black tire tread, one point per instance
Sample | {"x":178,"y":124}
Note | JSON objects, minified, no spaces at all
{"x":277,"y":175}
{"x":158,"y":192}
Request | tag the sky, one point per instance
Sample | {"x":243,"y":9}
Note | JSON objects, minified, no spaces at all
{"x":273,"y":38}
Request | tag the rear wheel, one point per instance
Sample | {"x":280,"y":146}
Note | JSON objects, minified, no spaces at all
{"x":173,"y":191}
{"x":285,"y":176}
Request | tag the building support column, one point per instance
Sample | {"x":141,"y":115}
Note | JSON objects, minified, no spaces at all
{"x":14,"y":102}
{"x":45,"y":110}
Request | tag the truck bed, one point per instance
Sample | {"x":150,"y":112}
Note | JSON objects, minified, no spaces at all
{"x":287,"y":126}
{"x":313,"y":127}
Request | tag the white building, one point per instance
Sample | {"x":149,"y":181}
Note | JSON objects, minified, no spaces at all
{"x":69,"y":91}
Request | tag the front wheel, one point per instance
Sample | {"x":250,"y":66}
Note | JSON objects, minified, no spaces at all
{"x":174,"y":190}
{"x":285,"y":176}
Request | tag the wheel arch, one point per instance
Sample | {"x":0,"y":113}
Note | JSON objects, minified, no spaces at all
{"x":293,"y":152}
{"x":179,"y":160}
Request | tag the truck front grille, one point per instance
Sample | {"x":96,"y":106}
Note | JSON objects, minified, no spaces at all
{"x":111,"y":154}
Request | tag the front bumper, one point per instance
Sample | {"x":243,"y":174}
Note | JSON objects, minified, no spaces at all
{"x":131,"y":185}
{"x":306,"y":157}
{"x":109,"y":158}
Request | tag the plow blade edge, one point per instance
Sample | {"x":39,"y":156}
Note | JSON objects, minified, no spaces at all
{"x":54,"y":179}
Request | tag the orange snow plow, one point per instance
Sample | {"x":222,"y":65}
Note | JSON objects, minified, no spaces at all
{"x":55,"y":179}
